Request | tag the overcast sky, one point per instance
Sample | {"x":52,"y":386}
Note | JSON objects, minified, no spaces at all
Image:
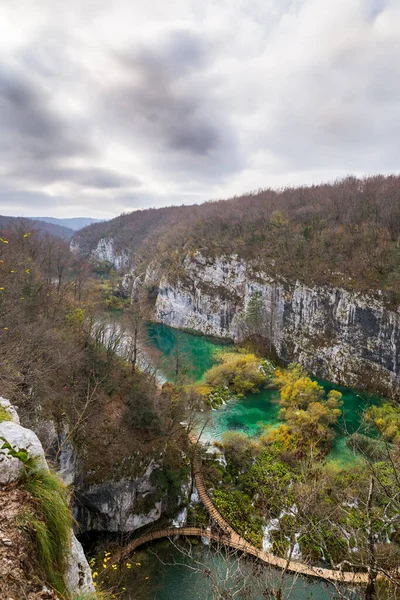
{"x":108,"y":106}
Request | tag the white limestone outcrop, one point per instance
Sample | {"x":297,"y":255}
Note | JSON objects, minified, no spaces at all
{"x":77,"y":578}
{"x":344,"y":336}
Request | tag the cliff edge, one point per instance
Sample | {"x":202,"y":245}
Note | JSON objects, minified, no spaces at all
{"x":40,"y":556}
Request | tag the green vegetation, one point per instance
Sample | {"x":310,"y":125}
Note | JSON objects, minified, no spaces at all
{"x":309,"y":415}
{"x":373,"y":449}
{"x":49,"y":520}
{"x":386,"y":419}
{"x":344,"y":233}
{"x":237,"y":372}
{"x":4,"y":415}
{"x":339,"y":515}
{"x":238,"y":511}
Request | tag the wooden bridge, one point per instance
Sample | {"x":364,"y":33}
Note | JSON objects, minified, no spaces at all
{"x":229,"y":537}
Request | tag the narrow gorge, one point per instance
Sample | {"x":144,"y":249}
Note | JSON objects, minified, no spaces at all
{"x":347,"y":337}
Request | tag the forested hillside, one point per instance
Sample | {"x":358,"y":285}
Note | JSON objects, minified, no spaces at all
{"x":74,"y":223}
{"x":343,"y":233}
{"x":59,"y":366}
{"x":50,"y":228}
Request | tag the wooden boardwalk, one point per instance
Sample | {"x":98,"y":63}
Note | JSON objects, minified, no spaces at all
{"x":230,"y":538}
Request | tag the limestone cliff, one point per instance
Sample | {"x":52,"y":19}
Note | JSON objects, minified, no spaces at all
{"x":105,"y":251}
{"x":346,"y":337}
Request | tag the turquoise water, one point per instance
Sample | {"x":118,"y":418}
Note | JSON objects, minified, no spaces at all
{"x":248,"y":415}
{"x":194,"y":353}
{"x":167,"y":573}
{"x":172,"y":575}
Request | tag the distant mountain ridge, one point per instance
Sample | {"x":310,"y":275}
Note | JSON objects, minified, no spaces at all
{"x":50,"y":228}
{"x":74,"y":223}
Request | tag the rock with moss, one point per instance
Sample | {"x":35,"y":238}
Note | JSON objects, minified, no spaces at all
{"x":42,"y":512}
{"x":7,"y":411}
{"x":21,"y":439}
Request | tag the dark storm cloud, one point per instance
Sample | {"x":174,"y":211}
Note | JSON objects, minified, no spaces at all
{"x":36,"y":142}
{"x":29,"y":127}
{"x":86,"y":177}
{"x":98,"y":178}
{"x":168,"y":101}
{"x":114,"y":106}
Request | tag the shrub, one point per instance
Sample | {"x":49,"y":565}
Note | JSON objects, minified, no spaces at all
{"x":237,"y":509}
{"x":386,"y":419}
{"x":238,"y":373}
{"x":309,"y":413}
{"x":239,"y":451}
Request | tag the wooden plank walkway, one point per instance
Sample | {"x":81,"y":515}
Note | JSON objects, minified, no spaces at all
{"x":230,"y":538}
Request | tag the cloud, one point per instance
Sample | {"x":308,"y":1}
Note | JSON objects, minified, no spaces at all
{"x":30,"y":128}
{"x":167,"y":100}
{"x":184,"y":101}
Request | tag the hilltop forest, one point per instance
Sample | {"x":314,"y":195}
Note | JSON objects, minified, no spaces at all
{"x":345,"y":233}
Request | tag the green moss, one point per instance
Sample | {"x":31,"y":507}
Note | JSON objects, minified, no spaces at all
{"x":4,"y":415}
{"x":309,"y":548}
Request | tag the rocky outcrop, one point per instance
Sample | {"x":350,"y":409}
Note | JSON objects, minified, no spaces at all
{"x":346,"y":337}
{"x":20,"y":438}
{"x":108,"y":502}
{"x":127,"y":504}
{"x":9,"y":409}
{"x":105,"y":251}
{"x":118,"y":506}
{"x":77,"y":578}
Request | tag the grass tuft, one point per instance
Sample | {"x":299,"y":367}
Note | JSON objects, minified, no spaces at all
{"x":49,"y":523}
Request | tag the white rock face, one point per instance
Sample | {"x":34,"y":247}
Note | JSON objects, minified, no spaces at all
{"x":67,"y":458}
{"x":113,"y":505}
{"x":181,"y":518}
{"x":105,"y":250}
{"x":20,"y":439}
{"x":344,"y":336}
{"x":77,"y":578}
